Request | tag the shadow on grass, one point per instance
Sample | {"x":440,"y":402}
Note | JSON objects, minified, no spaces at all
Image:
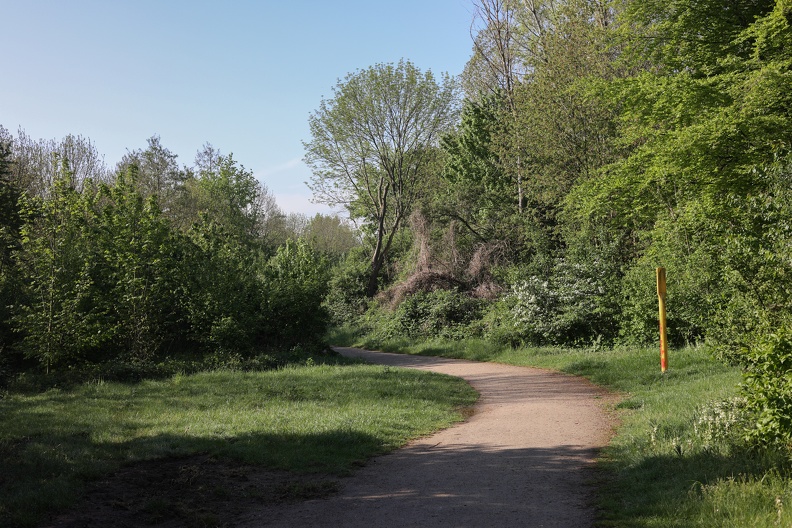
{"x":45,"y":474}
{"x":640,"y":494}
{"x":42,"y":475}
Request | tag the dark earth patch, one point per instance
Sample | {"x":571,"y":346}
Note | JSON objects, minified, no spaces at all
{"x":198,"y":491}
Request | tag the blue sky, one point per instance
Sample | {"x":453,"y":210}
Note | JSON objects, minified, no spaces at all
{"x":241,"y":75}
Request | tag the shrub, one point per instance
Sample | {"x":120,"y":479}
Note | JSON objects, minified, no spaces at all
{"x":439,"y":313}
{"x":296,"y":284}
{"x":767,"y":387}
{"x":722,"y":423}
{"x":346,"y":298}
{"x":571,"y":306}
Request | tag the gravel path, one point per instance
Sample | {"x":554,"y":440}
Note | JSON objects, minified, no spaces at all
{"x":522,"y":459}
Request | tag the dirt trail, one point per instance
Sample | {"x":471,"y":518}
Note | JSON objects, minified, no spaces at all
{"x":522,"y":459}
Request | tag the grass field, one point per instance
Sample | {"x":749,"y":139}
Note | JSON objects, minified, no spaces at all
{"x":322,"y":418}
{"x":676,"y":459}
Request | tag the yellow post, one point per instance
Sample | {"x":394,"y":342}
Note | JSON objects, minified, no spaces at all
{"x":661,"y":296}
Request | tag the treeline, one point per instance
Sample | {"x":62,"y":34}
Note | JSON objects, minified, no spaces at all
{"x":122,"y":272}
{"x":593,"y":141}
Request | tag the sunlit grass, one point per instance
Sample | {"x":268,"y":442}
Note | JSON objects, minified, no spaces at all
{"x":659,"y":471}
{"x":316,"y":419}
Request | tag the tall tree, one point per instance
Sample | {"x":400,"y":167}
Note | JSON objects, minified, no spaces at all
{"x":480,"y":195}
{"x":10,"y":223}
{"x":330,"y":235}
{"x":496,"y":69}
{"x":227,"y":193}
{"x":707,"y":111}
{"x":59,"y":319}
{"x":37,"y":164}
{"x":563,"y":126}
{"x":495,"y":66}
{"x":157,"y":169}
{"x":372,"y":143}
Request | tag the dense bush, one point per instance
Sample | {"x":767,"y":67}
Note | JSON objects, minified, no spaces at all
{"x":426,"y":314}
{"x":439,"y":313}
{"x":573,"y":304}
{"x":346,"y":297}
{"x":768,"y":388}
{"x":221,"y":292}
{"x":102,"y":276}
{"x":296,"y":282}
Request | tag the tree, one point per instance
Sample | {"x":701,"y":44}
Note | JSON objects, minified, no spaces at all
{"x":157,"y":169}
{"x":37,"y":164}
{"x":136,"y":268}
{"x":10,"y":223}
{"x":228,"y":194}
{"x":371,"y":145}
{"x":563,"y":128}
{"x":479,"y":188}
{"x":59,"y":319}
{"x":495,"y":66}
{"x":296,"y":282}
{"x":330,"y":235}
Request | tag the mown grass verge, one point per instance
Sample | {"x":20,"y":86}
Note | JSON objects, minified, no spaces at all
{"x":676,"y":459}
{"x":321,"y":418}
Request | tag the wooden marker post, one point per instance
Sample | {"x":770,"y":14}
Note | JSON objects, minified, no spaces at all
{"x":661,"y":296}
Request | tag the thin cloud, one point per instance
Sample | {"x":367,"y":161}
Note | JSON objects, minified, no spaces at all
{"x":301,"y":203}
{"x":283,"y":167}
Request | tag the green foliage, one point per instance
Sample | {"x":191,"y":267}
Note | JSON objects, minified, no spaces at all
{"x":297,"y":282}
{"x":10,"y":223}
{"x":685,"y":35}
{"x":694,"y":265}
{"x":768,"y":388}
{"x":157,"y":171}
{"x":480,"y":190}
{"x":373,"y":144}
{"x":135,"y":270}
{"x":101,"y":276}
{"x":423,"y":315}
{"x":756,"y":254}
{"x":230,"y":195}
{"x":439,"y":313}
{"x":222,"y":294}
{"x":330,"y":235}
{"x":346,"y":296}
{"x":700,"y":126}
{"x":571,"y":305}
{"x":60,"y":318}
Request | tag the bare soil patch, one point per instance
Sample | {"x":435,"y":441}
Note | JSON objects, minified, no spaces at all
{"x":198,"y":491}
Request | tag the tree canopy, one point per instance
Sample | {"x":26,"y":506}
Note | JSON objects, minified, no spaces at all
{"x":372,"y":143}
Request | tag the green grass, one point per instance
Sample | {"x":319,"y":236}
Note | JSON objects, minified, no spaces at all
{"x":664,"y":468}
{"x":326,"y":418}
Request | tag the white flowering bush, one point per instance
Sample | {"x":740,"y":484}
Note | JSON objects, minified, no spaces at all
{"x":534,"y":309}
{"x":572,"y":306}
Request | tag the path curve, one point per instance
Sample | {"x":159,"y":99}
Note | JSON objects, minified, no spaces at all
{"x":522,"y":459}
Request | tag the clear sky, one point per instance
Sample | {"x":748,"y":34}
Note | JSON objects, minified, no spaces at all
{"x":241,"y":75}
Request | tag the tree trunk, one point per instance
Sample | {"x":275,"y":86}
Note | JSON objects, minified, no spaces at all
{"x":371,"y":288}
